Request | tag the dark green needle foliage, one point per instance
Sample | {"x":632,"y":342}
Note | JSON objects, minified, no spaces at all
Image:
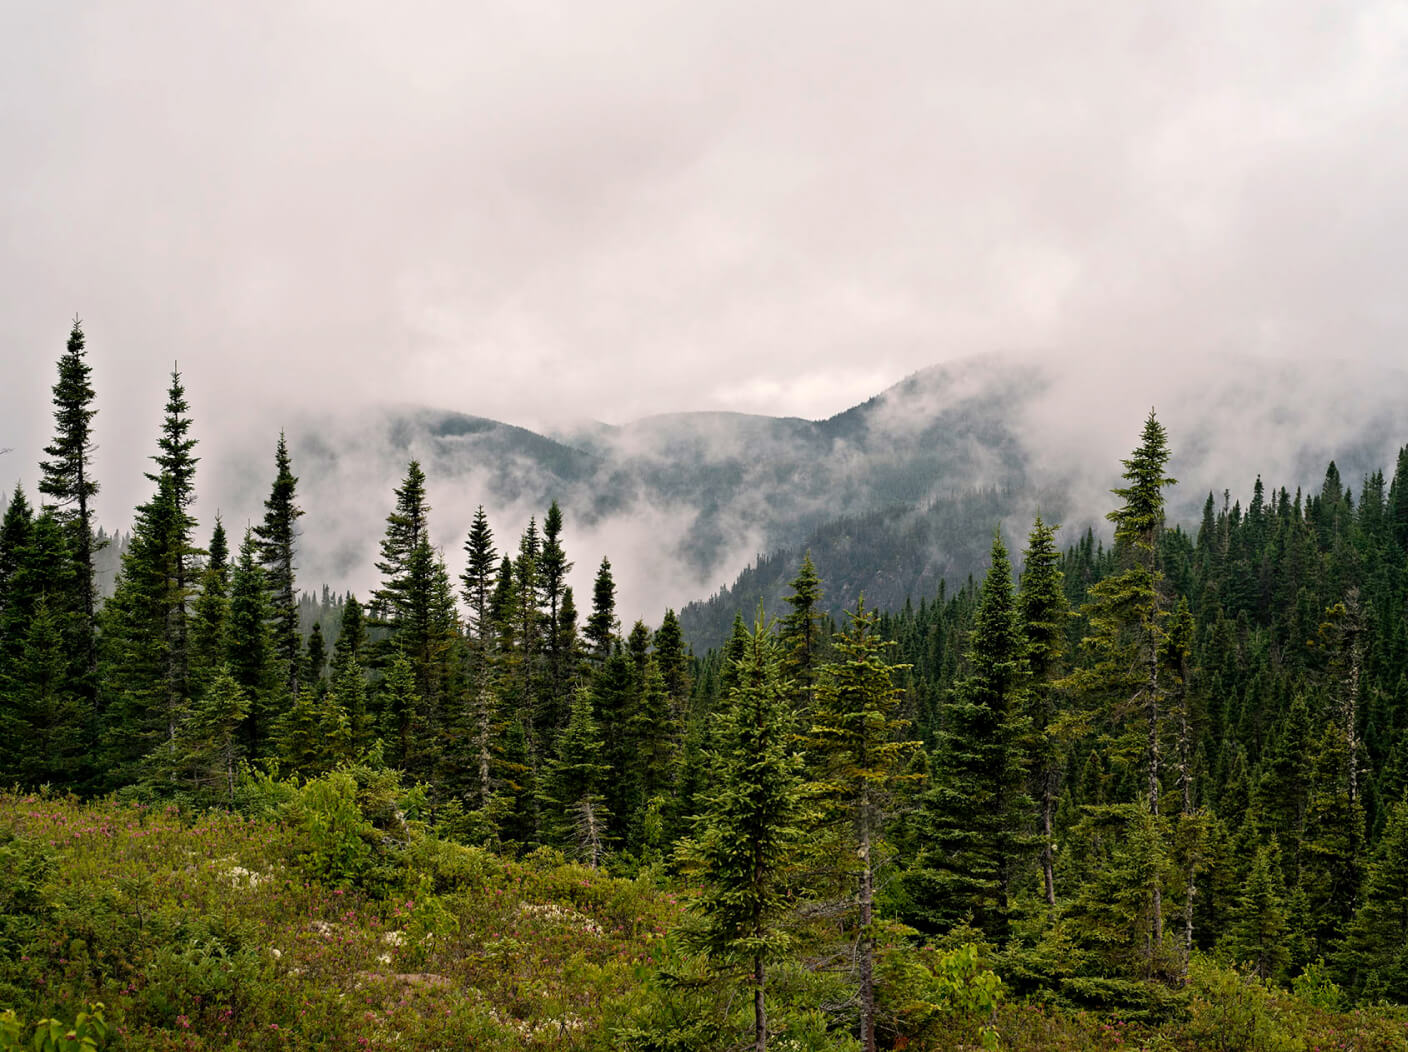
{"x":750,"y":828}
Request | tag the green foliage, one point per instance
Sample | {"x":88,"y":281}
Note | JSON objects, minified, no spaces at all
{"x":975,"y":817}
{"x":750,"y":828}
{"x":575,"y":812}
{"x":927,"y":991}
{"x":277,"y":535}
{"x":88,"y":1032}
{"x":1234,"y":1012}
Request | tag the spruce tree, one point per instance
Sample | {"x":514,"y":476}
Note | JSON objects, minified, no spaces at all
{"x":175,"y":481}
{"x":277,"y":536}
{"x":69,"y":480}
{"x":315,"y":659}
{"x":858,"y":732}
{"x":525,"y":662}
{"x":1375,"y":952}
{"x":313,"y":735}
{"x":249,"y":650}
{"x":351,"y":641}
{"x":801,"y":633}
{"x":575,"y":816}
{"x":1044,"y":613}
{"x":211,"y":611}
{"x":143,"y":667}
{"x":406,"y":528}
{"x":750,"y":828}
{"x":673,"y":662}
{"x":976,"y":814}
{"x":14,"y":537}
{"x":553,"y":568}
{"x":415,"y":605}
{"x":1257,"y":937}
{"x":601,"y":625}
{"x":44,"y":710}
{"x":1126,"y":613}
{"x":207,"y":748}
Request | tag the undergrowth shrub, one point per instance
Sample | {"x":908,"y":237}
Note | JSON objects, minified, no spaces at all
{"x":88,"y":1033}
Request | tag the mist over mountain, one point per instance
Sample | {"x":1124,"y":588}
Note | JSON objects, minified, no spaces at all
{"x":683,"y":503}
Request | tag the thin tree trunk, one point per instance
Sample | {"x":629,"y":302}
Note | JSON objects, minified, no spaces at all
{"x":867,"y":942}
{"x":760,"y":1011}
{"x":1185,"y":779}
{"x":481,"y":734}
{"x":1156,"y":928}
{"x":1048,"y":854}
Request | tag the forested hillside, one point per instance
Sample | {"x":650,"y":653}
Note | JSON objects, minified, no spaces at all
{"x":1149,"y":794}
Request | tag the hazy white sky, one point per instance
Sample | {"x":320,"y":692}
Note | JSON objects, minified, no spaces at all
{"x":539,"y":211}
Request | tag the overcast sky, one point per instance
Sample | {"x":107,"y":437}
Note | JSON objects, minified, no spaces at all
{"x":542,"y":211}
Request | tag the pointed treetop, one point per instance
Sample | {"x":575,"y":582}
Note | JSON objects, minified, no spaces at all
{"x":1139,"y":520}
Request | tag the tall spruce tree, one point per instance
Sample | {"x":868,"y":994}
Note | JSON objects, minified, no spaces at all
{"x":481,"y":561}
{"x":976,"y":813}
{"x":415,"y":606}
{"x":1044,"y":612}
{"x":176,"y":474}
{"x":575,"y":816}
{"x":859,"y":729}
{"x":69,"y":480}
{"x":1374,"y":956}
{"x":801,"y":632}
{"x":277,"y":536}
{"x":249,"y":650}
{"x":44,"y":709}
{"x":602,"y":626}
{"x":1126,"y":613}
{"x":211,"y":611}
{"x":750,"y":828}
{"x":673,"y":661}
{"x":553,"y":568}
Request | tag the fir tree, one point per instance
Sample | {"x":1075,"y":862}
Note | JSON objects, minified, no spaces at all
{"x":749,"y":831}
{"x":1126,"y":613}
{"x":602,"y":626}
{"x":249,"y":651}
{"x":553,"y":568}
{"x":801,"y":633}
{"x":673,"y":662}
{"x":1375,"y":953}
{"x":976,"y":813}
{"x":208,"y":748}
{"x":1044,"y":613}
{"x":211,"y":611}
{"x":575,"y":813}
{"x":44,"y":710}
{"x":68,"y":479}
{"x":857,"y":730}
{"x":175,"y":481}
{"x":1257,"y":937}
{"x":277,"y":536}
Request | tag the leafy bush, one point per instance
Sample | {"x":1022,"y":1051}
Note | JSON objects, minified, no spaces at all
{"x":926,"y":991}
{"x":1235,"y":1012}
{"x":88,"y":1033}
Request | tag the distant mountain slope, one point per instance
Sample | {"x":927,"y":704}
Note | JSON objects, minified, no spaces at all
{"x":681,"y":503}
{"x":887,"y":555}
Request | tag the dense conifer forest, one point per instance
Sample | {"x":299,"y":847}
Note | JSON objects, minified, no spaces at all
{"x":1151,"y":793}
